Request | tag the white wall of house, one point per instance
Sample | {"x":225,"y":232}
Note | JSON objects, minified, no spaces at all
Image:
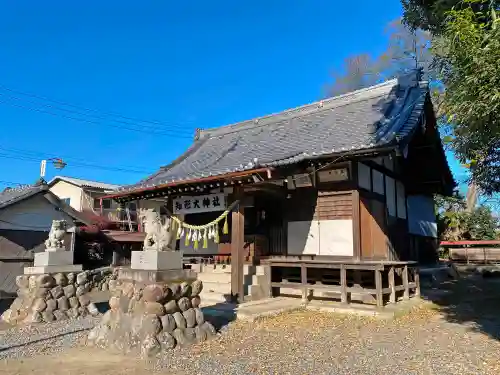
{"x":65,"y":190}
{"x":33,"y":214}
{"x":83,"y":199}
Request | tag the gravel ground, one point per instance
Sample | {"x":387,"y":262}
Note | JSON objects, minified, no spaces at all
{"x":27,"y":341}
{"x":429,"y":340}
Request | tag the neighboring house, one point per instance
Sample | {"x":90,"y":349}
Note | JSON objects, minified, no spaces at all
{"x":86,"y":196}
{"x":26,"y":215}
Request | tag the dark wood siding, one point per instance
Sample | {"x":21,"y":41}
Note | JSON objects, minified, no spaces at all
{"x":310,"y":204}
{"x":399,"y":239}
{"x":333,"y":206}
{"x":373,"y":229}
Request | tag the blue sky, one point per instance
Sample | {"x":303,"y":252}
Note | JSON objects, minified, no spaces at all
{"x":178,"y":65}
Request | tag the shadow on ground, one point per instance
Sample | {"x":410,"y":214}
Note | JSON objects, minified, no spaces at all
{"x":5,"y":304}
{"x":220,"y":315}
{"x":471,"y":300}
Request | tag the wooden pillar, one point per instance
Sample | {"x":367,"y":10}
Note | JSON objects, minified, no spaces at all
{"x":269,"y":291}
{"x":378,"y":288}
{"x":303,"y":280}
{"x":356,"y":224}
{"x":237,"y":245}
{"x":406,"y":294}
{"x":416,"y":279}
{"x":343,"y":285}
{"x":392,"y":286}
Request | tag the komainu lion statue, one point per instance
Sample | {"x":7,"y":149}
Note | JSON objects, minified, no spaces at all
{"x":56,"y":235}
{"x":160,"y":232}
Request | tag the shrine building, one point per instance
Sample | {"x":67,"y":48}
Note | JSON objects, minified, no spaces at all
{"x":332,"y":196}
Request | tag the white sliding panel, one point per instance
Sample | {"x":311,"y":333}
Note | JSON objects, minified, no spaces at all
{"x":336,"y":237}
{"x":303,"y":237}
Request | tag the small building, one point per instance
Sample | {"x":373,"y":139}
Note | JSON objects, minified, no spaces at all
{"x":86,"y":196}
{"x":26,"y":215}
{"x":319,"y":194}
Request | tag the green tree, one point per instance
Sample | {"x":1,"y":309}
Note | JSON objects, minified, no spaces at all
{"x":481,"y":224}
{"x":431,"y":15}
{"x":467,"y":55}
{"x":458,"y":222}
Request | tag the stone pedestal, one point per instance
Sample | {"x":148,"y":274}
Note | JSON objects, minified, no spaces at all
{"x":152,"y":311}
{"x":53,"y":260}
{"x":153,"y":260}
{"x":54,"y":288}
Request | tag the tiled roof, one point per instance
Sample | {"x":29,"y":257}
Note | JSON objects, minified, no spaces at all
{"x":12,"y":195}
{"x":377,"y":116}
{"x":84,"y":183}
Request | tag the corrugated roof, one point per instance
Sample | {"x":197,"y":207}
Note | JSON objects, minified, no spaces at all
{"x":377,"y":116}
{"x":84,"y":183}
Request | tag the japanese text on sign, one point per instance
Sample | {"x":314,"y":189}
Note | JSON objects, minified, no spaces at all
{"x":202,"y":203}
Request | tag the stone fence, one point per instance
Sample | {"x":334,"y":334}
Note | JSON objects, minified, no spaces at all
{"x":59,"y":296}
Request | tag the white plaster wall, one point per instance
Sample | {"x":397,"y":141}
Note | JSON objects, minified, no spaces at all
{"x":321,"y":237}
{"x":390,"y":195}
{"x":364,"y":176}
{"x":421,"y":215}
{"x":378,"y":182}
{"x":336,"y":237}
{"x":401,"y":200}
{"x":33,"y":214}
{"x":303,"y":237}
{"x":65,"y":190}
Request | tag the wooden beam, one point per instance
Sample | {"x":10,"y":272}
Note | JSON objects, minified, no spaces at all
{"x":237,"y":246}
{"x":268,"y":188}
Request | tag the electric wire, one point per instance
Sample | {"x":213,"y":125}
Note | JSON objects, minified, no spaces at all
{"x":84,"y":108}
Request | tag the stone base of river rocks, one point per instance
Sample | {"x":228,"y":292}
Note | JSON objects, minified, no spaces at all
{"x":58,"y":296}
{"x":152,"y":317}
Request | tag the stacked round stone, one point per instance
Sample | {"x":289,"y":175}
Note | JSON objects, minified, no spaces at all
{"x":99,"y":279}
{"x":152,"y":318}
{"x":51,"y":297}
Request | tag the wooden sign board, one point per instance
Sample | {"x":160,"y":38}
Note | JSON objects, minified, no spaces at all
{"x":333,"y":175}
{"x":201,"y":203}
